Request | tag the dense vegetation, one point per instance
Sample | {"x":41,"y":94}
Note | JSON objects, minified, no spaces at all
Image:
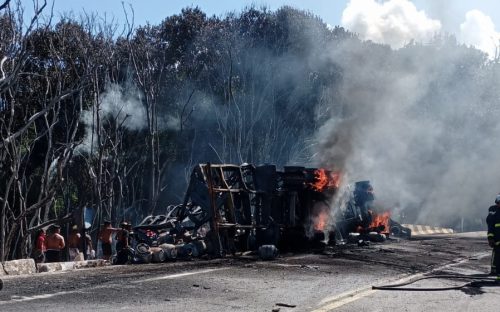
{"x":114,"y":121}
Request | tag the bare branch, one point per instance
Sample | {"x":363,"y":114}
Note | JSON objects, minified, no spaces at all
{"x":64,"y":219}
{"x":4,"y":5}
{"x":37,"y":115}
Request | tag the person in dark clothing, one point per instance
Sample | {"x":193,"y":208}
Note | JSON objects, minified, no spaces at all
{"x":122,"y":237}
{"x":123,"y":253}
{"x":493,"y":222}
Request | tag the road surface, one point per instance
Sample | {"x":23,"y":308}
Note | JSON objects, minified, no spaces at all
{"x":339,"y":279}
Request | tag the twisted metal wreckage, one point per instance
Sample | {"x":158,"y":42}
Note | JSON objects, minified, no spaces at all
{"x":229,"y":209}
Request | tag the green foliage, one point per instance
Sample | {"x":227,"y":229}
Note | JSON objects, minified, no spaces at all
{"x":59,"y":206}
{"x":248,"y":87}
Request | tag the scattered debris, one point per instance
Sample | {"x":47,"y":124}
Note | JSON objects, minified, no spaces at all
{"x":312,"y":267}
{"x":362,"y":243}
{"x":230,"y":209}
{"x":268,"y":252}
{"x":286,"y":305}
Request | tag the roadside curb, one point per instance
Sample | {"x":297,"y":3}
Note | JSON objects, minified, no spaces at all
{"x":68,"y":266}
{"x":19,"y":267}
{"x":28,"y":266}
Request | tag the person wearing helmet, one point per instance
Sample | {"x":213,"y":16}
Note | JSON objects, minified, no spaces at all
{"x":493,"y":222}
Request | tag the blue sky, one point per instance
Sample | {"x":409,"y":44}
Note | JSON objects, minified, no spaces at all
{"x":450,"y":12}
{"x":154,"y":11}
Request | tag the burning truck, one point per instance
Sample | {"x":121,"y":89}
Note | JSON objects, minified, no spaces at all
{"x":357,"y":214}
{"x":229,"y":209}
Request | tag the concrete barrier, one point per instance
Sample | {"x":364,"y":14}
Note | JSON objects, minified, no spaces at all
{"x":55,"y":266}
{"x":67,"y":266}
{"x":18,"y":267}
{"x":91,"y":264}
{"x":28,"y":266}
{"x":417,"y":229}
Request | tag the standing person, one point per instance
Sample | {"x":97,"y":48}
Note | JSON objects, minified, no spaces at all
{"x":122,"y":237}
{"x":131,"y":236}
{"x":105,"y":236}
{"x":90,"y":248}
{"x":122,"y":244}
{"x":493,"y":222}
{"x":40,"y":247}
{"x":74,"y":241}
{"x":55,"y":244}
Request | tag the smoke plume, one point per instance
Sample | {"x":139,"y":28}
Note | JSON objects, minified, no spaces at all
{"x":420,"y":121}
{"x":119,"y":104}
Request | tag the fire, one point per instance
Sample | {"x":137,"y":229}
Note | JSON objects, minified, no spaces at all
{"x":325,"y":179}
{"x":321,"y":180}
{"x":334,"y":180}
{"x":320,"y":221}
{"x":379,"y":220}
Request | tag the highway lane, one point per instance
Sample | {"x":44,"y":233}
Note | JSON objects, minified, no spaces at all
{"x":337,"y":280}
{"x":465,"y":299}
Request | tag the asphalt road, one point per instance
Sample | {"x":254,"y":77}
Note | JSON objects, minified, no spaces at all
{"x":339,"y":279}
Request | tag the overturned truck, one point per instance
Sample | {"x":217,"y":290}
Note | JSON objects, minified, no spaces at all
{"x":230,"y":208}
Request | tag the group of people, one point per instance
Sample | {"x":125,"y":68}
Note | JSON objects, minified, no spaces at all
{"x":50,"y":246}
{"x":122,"y":237}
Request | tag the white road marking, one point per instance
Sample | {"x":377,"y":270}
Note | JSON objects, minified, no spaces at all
{"x":334,"y":302}
{"x":346,"y":298}
{"x":171,"y":276}
{"x":15,"y":299}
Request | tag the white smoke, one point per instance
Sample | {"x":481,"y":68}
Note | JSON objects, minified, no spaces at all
{"x":122,"y":105}
{"x":479,"y":31}
{"x":417,"y":121}
{"x":395,"y":22}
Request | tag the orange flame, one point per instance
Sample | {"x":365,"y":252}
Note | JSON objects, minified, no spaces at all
{"x":379,"y":220}
{"x":325,"y":180}
{"x":320,"y":221}
{"x":335,"y":180}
